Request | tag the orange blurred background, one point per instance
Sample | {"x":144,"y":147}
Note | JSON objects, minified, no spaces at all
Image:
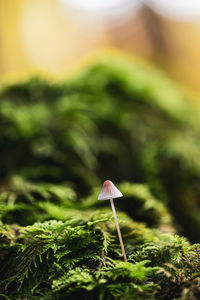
{"x":53,"y":36}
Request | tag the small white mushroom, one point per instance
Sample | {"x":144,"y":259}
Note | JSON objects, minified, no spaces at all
{"x":109,"y":192}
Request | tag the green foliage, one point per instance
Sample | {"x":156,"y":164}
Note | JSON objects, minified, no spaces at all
{"x":24,"y":202}
{"x":70,"y":257}
{"x":58,"y":142}
{"x":60,"y":260}
{"x":119,"y":120}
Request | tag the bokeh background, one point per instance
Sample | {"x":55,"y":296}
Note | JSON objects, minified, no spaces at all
{"x":53,"y":36}
{"x":116,"y":118}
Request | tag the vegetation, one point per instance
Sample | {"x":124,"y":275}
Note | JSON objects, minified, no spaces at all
{"x":117,"y":120}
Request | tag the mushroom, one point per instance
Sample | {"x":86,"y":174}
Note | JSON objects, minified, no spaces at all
{"x":109,"y":191}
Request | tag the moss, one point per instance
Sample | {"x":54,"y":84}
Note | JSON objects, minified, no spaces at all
{"x":57,"y":260}
{"x":117,"y":120}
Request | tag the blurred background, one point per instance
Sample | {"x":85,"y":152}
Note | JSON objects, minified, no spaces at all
{"x":53,"y":36}
{"x":119,"y":119}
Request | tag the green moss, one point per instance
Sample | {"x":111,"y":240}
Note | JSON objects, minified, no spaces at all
{"x":58,"y":260}
{"x":117,"y":120}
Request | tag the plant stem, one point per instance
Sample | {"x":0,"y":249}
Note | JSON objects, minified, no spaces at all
{"x":118,"y":229}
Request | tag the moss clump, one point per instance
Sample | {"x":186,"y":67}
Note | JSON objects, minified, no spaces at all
{"x":60,"y":260}
{"x":119,"y":120}
{"x":58,"y":142}
{"x":82,"y":258}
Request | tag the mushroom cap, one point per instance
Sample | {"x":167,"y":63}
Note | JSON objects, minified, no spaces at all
{"x":108,"y":191}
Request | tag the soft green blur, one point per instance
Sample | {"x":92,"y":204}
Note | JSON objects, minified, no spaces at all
{"x":118,"y":120}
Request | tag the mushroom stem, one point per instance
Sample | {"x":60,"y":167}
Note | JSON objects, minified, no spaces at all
{"x":118,"y":229}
